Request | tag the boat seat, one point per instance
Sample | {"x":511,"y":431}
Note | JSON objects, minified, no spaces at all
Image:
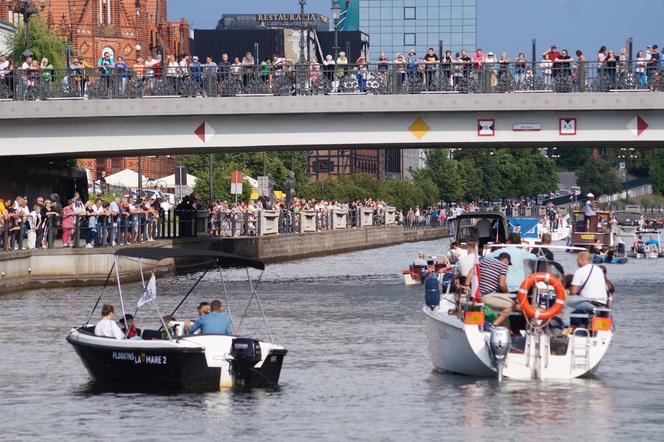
{"x":151,"y":334}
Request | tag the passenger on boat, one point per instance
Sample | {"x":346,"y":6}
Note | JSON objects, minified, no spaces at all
{"x":128,"y":327}
{"x":590,"y":213}
{"x":493,"y":282}
{"x":466,"y":263}
{"x":204,"y":308}
{"x":421,"y":260}
{"x":588,"y":289}
{"x":456,"y":252}
{"x":543,"y":252}
{"x":610,"y":289}
{"x":107,"y":327}
{"x":597,"y":247}
{"x":652,"y":241}
{"x":519,"y":257}
{"x":216,"y":322}
{"x":639,"y":245}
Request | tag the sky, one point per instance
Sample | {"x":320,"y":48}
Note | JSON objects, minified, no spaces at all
{"x":503,"y":25}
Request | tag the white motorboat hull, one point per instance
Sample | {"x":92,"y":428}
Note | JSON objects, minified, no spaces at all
{"x":460,"y":348}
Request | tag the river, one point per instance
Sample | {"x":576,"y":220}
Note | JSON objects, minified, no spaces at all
{"x":357,"y":367}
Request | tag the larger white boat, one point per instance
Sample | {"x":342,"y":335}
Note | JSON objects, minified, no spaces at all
{"x":460,"y":342}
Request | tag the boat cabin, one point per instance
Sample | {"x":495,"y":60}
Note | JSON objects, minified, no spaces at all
{"x":586,"y":234}
{"x":484,"y":227}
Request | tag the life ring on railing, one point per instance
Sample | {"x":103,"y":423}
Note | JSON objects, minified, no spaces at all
{"x":537,"y":313}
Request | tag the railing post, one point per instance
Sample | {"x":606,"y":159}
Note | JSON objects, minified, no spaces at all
{"x":51,"y":232}
{"x":5,"y":238}
{"x":77,"y":231}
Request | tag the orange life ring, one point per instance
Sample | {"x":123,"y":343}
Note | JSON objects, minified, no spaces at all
{"x":537,"y":313}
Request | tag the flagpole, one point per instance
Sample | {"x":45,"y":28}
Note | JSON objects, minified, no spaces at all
{"x":161,"y":318}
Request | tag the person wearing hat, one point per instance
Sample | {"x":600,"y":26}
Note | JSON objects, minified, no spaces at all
{"x":519,"y":258}
{"x":590,"y":213}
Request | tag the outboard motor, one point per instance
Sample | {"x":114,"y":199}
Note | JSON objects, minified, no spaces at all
{"x":246,"y":353}
{"x":500,"y":343}
{"x":432,"y":291}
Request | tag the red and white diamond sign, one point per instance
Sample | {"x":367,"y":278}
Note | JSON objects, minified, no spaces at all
{"x":637,"y":126}
{"x":204,"y":132}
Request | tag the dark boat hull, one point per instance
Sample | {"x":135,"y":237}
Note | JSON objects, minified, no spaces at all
{"x":173,"y":368}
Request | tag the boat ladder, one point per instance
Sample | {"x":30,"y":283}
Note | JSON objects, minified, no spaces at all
{"x":580,"y":349}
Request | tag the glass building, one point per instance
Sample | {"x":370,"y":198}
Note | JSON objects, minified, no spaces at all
{"x":396,"y":26}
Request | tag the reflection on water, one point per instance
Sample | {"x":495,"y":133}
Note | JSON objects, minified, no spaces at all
{"x":357,"y":367}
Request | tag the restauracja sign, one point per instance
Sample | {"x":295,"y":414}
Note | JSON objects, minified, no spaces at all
{"x":289,"y":18}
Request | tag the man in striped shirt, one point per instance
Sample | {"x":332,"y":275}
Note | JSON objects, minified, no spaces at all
{"x":493,"y":282}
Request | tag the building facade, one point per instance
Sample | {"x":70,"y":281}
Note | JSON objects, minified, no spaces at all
{"x":397,"y":26}
{"x":127,"y":28}
{"x":153,"y":167}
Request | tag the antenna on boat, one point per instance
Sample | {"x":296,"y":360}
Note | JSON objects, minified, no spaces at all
{"x":117,"y":275}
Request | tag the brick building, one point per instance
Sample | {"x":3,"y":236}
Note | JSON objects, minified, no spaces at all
{"x":153,"y":166}
{"x":130,"y":28}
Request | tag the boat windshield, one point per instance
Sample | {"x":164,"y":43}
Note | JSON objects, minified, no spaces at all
{"x":627,"y":218}
{"x":481,"y":228}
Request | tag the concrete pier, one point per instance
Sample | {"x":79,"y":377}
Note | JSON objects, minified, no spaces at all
{"x":88,"y":267}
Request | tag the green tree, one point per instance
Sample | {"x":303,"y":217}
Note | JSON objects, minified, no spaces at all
{"x":598,"y":177}
{"x":444,"y":173}
{"x":44,"y":42}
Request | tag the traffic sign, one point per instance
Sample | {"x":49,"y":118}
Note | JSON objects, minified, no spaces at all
{"x":567,"y":126}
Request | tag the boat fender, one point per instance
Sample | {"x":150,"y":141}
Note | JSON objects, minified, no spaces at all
{"x":536,"y":313}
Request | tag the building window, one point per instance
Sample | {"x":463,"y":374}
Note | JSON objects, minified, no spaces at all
{"x":409,"y":13}
{"x":409,"y":39}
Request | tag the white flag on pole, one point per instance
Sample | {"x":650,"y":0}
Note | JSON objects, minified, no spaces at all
{"x":150,"y":293}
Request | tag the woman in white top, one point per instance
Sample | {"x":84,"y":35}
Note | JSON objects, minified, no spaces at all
{"x":107,"y":327}
{"x":640,"y":68}
{"x":546,"y":67}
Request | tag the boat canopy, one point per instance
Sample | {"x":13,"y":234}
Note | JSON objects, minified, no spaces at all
{"x":159,"y":253}
{"x":483,"y":227}
{"x":627,"y":218}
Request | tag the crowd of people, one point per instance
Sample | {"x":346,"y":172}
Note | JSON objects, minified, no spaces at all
{"x":241,"y":218}
{"x":447,"y":70}
{"x":120,"y":221}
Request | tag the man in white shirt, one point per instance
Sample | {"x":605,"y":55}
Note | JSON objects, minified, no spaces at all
{"x":466,"y":262}
{"x":27,"y":63}
{"x":107,"y":327}
{"x":4,"y":65}
{"x":588,"y":289}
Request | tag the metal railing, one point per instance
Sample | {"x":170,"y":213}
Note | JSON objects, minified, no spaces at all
{"x":93,"y":231}
{"x":290,"y":79}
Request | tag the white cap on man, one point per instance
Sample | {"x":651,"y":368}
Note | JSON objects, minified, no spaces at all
{"x":590,"y":195}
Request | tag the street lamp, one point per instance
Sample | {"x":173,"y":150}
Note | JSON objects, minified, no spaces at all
{"x":626,"y":155}
{"x":302,"y":59}
{"x":336,"y":13}
{"x":27,"y":9}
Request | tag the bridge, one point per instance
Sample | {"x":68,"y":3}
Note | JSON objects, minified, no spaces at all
{"x":162,"y":125}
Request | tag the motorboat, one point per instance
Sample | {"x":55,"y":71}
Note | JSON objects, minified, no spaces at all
{"x":462,"y":341}
{"x":560,"y":230}
{"x":415,"y":274}
{"x":646,"y":244}
{"x":604,"y":259}
{"x":588,"y":235}
{"x":166,"y":356}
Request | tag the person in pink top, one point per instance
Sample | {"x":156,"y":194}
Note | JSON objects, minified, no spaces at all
{"x":67,"y":222}
{"x":477,"y":59}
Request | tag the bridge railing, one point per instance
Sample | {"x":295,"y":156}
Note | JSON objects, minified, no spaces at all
{"x":315,"y":79}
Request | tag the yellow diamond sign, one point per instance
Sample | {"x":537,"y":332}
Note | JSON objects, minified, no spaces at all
{"x":419,"y":128}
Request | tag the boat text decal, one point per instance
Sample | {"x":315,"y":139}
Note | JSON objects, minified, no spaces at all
{"x":139,"y":358}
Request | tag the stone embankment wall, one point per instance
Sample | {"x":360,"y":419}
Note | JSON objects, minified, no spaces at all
{"x":87,"y":267}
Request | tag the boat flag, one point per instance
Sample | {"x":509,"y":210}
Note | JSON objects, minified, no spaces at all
{"x":150,"y":293}
{"x":475,"y":283}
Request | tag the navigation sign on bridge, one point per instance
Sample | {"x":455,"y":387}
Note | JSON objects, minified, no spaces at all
{"x":486,"y":128}
{"x":567,"y":126}
{"x":637,"y":126}
{"x":204,"y":132}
